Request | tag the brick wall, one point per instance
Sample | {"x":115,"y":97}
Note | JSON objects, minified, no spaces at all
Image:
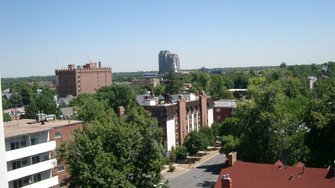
{"x":182,"y":119}
{"x":66,"y":135}
{"x":203,"y":110}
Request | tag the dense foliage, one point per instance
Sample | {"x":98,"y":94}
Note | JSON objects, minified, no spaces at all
{"x":113,"y":151}
{"x":282,"y":119}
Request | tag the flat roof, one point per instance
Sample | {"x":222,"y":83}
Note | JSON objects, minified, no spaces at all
{"x":29,"y":126}
{"x":225,"y":103}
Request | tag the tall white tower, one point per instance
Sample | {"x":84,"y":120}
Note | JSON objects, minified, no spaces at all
{"x":3,"y":166}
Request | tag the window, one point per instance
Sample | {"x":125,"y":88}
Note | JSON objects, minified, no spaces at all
{"x":217,"y":110}
{"x":58,"y":134}
{"x":35,"y":159}
{"x":34,"y":141}
{"x":23,"y":143}
{"x":37,"y":177}
{"x":24,"y":162}
{"x":18,"y":183}
{"x":14,"y":145}
{"x":60,"y":168}
{"x":16,"y":164}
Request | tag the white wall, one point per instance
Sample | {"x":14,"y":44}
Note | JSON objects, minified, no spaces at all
{"x":3,"y":166}
{"x":170,"y":134}
{"x":210,"y":117}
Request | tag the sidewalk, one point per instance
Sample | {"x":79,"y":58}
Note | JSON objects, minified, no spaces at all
{"x":185,"y":167}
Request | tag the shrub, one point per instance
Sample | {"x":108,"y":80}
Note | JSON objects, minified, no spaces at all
{"x":172,"y":168}
{"x":181,"y":152}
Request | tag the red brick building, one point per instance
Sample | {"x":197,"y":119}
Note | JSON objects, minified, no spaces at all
{"x":82,"y":79}
{"x":223,"y":109}
{"x":240,"y":174}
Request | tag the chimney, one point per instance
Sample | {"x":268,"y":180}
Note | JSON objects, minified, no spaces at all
{"x":226,"y":181}
{"x":120,"y":111}
{"x":71,"y":66}
{"x":99,"y":64}
{"x":232,"y":158}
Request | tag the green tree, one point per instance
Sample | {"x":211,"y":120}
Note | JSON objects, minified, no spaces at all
{"x":116,"y":152}
{"x":88,"y":108}
{"x":319,"y":119}
{"x":195,"y":142}
{"x":117,"y":95}
{"x":217,"y":88}
{"x":228,"y":144}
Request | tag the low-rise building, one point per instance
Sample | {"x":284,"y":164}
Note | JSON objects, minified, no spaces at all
{"x":178,"y":115}
{"x":239,"y":174}
{"x":30,"y":152}
{"x":223,"y":109}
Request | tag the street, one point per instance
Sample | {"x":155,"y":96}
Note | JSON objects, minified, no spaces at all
{"x":204,"y":175}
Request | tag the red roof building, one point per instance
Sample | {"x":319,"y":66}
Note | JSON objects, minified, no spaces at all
{"x":240,"y":174}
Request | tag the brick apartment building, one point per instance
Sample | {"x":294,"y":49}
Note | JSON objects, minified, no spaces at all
{"x":30,"y":157}
{"x":82,"y":79}
{"x":178,"y":115}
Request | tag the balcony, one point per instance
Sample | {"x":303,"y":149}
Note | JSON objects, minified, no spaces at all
{"x":44,"y":183}
{"x":30,"y":150}
{"x":31,"y":169}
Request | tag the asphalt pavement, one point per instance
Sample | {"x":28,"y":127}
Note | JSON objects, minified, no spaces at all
{"x":205,"y":175}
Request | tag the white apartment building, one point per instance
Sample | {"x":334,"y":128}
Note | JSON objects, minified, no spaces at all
{"x":30,"y":152}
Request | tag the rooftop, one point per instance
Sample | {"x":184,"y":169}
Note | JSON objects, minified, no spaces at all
{"x":254,"y":175}
{"x":225,"y":103}
{"x":28,"y":126}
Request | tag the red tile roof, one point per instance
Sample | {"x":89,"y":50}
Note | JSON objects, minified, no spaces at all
{"x":254,"y":175}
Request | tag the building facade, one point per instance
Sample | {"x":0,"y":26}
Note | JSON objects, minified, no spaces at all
{"x":179,"y":115}
{"x":168,"y":62}
{"x":3,"y":170}
{"x":30,"y":152}
{"x":82,"y":79}
{"x":223,"y":109}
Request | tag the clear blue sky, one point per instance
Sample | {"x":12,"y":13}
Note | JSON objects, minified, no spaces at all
{"x":38,"y":36}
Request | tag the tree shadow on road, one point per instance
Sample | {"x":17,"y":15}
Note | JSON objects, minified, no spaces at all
{"x":214,"y":168}
{"x":206,"y":184}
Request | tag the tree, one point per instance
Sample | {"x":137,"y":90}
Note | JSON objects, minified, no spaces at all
{"x":44,"y":102}
{"x":229,"y":143}
{"x":117,"y":95}
{"x":88,"y":108}
{"x":173,"y":84}
{"x":195,"y":142}
{"x":283,"y":65}
{"x":217,"y":88}
{"x":208,"y":132}
{"x":116,"y":152}
{"x":319,"y":119}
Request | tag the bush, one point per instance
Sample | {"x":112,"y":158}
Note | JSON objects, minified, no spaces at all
{"x":172,"y":168}
{"x":181,"y":152}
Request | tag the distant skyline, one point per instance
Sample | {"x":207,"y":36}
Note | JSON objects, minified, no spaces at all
{"x":38,"y":36}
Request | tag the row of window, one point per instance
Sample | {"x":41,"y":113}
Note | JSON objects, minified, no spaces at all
{"x":33,"y":141}
{"x":24,"y":162}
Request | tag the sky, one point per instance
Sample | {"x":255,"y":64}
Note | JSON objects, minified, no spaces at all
{"x":39,"y":36}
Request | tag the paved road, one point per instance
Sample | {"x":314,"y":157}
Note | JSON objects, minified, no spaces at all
{"x":204,"y":175}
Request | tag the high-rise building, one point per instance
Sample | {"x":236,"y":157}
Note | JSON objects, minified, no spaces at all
{"x":82,"y":79}
{"x":168,"y":62}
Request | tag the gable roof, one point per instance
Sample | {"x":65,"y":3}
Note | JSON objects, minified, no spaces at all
{"x":254,"y":175}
